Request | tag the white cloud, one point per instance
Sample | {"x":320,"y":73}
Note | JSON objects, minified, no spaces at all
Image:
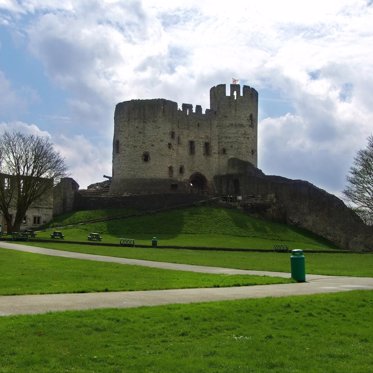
{"x":316,"y":56}
{"x":87,"y":161}
{"x":14,"y":100}
{"x":28,"y":129}
{"x":9,"y":98}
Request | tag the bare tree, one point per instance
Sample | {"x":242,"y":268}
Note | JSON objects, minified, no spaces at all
{"x":29,"y":166}
{"x":359,"y":189}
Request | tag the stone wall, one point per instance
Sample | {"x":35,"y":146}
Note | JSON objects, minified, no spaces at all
{"x":298,"y":203}
{"x":64,"y":196}
{"x":150,"y":202}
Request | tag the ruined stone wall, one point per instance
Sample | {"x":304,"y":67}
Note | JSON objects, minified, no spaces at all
{"x":158,"y":148}
{"x":298,"y":203}
{"x":64,"y":196}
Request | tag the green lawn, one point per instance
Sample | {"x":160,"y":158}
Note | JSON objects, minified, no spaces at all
{"x":196,"y":226}
{"x":323,"y":333}
{"x":317,"y":263}
{"x":25,"y":273}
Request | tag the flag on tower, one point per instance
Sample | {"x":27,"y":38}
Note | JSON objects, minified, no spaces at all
{"x":235,"y":81}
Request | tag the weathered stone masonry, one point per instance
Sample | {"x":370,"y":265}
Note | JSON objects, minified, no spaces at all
{"x":158,"y":148}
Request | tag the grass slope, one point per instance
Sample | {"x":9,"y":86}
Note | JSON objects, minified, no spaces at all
{"x":196,"y":226}
{"x":324,"y":333}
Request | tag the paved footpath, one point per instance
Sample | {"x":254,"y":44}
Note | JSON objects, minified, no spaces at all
{"x":32,"y":304}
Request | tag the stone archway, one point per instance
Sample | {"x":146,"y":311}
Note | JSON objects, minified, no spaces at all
{"x":198,"y":183}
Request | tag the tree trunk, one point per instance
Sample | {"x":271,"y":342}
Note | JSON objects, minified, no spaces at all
{"x":9,"y":225}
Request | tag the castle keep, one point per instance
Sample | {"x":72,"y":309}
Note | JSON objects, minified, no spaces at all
{"x":159,"y":148}
{"x":165,"y":157}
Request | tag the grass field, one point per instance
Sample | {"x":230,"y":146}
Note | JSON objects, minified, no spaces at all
{"x":322,"y":333}
{"x":326,"y":263}
{"x":25,"y":273}
{"x":195,"y":226}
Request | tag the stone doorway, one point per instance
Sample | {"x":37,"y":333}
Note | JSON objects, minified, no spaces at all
{"x":198,"y":183}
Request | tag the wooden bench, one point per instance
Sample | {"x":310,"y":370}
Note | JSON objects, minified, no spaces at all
{"x":127,"y":242}
{"x":281,"y":248}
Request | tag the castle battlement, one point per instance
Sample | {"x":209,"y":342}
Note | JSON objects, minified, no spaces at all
{"x":158,"y":147}
{"x":220,"y":101}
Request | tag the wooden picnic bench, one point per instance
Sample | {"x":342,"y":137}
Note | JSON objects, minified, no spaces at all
{"x":57,"y":234}
{"x":20,"y":236}
{"x":30,"y":233}
{"x":93,"y":236}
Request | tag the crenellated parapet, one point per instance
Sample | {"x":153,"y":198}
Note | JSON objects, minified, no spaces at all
{"x":220,"y":101}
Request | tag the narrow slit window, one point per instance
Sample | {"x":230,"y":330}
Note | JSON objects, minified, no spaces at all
{"x":192,"y":147}
{"x":206,"y":148}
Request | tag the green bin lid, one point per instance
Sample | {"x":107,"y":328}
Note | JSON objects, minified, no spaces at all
{"x":297,"y":252}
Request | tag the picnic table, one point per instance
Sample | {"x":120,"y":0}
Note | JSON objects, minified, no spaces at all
{"x":30,"y":233}
{"x":20,"y":236}
{"x":93,"y":236}
{"x":57,"y":234}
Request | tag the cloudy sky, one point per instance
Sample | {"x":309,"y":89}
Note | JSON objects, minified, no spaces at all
{"x":65,"y":64}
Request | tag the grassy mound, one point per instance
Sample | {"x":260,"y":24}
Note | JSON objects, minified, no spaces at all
{"x":195,"y":226}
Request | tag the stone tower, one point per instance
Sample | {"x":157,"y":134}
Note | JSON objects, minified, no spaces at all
{"x":158,"y":148}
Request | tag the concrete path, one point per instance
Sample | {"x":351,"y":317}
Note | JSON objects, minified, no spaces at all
{"x":32,"y":304}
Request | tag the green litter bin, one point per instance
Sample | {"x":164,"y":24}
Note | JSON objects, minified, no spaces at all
{"x":298,"y":265}
{"x":154,"y":242}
